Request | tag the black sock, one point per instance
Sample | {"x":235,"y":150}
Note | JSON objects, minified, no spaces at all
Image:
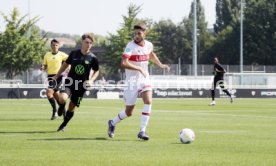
{"x":53,"y":104}
{"x":213,"y":94}
{"x":67,"y":117}
{"x":227,"y":92}
{"x":58,"y":102}
{"x":62,"y":106}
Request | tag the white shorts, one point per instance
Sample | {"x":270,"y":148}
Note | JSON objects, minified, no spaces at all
{"x":132,"y":91}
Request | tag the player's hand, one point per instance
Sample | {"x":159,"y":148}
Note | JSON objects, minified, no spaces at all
{"x":88,"y":83}
{"x":55,"y":77}
{"x":42,"y":68}
{"x":145,"y":74}
{"x":166,"y":67}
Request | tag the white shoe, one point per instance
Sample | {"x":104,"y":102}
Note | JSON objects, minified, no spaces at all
{"x":212,"y":103}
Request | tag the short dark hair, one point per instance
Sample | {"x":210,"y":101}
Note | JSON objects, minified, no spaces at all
{"x":54,"y":41}
{"x":141,"y":26}
{"x":89,"y":36}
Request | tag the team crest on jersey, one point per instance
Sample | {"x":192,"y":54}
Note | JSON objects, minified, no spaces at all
{"x":86,"y":62}
{"x":127,"y":50}
{"x":79,"y":69}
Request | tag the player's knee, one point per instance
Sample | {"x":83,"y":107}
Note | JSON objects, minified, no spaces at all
{"x":49,"y":94}
{"x":148,"y":102}
{"x":62,"y":99}
{"x":129,"y":113}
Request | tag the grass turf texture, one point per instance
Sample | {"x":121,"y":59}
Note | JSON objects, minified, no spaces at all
{"x":242,"y":133}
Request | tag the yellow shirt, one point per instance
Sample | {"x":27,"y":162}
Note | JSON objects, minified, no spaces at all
{"x":54,"y":62}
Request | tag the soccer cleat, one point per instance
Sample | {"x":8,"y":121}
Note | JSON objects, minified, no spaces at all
{"x":111,"y":129}
{"x":61,"y":112}
{"x":54,"y":116}
{"x":143,"y":135}
{"x":61,"y":128}
{"x":213,"y":103}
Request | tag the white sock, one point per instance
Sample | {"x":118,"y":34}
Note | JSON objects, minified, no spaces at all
{"x":122,"y":115}
{"x":145,"y":117}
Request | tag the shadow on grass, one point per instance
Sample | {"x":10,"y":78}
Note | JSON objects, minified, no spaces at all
{"x":179,"y":143}
{"x":80,"y":139}
{"x":23,"y":120}
{"x":69,"y":139}
{"x":26,"y":132}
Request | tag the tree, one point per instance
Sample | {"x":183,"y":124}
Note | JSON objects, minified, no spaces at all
{"x":167,"y":41}
{"x":260,"y":32}
{"x":227,"y":12}
{"x":21,"y":45}
{"x":118,"y":41}
{"x":99,"y":40}
{"x":225,"y":46}
{"x":203,"y":36}
{"x":175,"y":41}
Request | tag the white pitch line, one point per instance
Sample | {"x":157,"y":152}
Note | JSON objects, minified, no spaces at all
{"x":224,"y":131}
{"x":165,"y":111}
{"x":211,"y":113}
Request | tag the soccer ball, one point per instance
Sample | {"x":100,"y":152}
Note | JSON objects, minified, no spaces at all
{"x":187,"y":136}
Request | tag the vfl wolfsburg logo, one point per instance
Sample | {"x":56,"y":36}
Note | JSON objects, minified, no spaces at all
{"x":79,"y":69}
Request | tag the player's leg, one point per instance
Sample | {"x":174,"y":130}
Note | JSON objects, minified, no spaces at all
{"x":213,"y":90}
{"x":130,"y":97}
{"x":52,"y":84}
{"x":56,"y":96}
{"x":76,"y":98}
{"x":51,"y":99}
{"x":57,"y":88}
{"x":147,"y":99}
{"x":221,"y":84}
{"x":65,"y":92}
{"x":68,"y":116}
{"x":63,"y":96}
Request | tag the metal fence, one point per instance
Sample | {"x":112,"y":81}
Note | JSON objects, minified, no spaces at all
{"x":35,"y":76}
{"x":207,"y":69}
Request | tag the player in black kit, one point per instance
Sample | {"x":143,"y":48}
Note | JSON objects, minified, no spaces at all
{"x":218,"y":80}
{"x":79,"y":77}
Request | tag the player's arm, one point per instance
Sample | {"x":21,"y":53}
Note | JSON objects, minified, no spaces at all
{"x":94,"y":76}
{"x":156,"y":60}
{"x":65,"y":65}
{"x":44,"y":65}
{"x":219,"y":69}
{"x":62,"y":69}
{"x":125,"y":64}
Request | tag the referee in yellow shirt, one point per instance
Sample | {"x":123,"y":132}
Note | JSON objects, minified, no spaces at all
{"x":52,"y":62}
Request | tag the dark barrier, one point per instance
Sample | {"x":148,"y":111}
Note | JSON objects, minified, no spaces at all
{"x":13,"y":93}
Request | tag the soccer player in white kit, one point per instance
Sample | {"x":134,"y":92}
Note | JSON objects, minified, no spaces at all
{"x":135,"y":60}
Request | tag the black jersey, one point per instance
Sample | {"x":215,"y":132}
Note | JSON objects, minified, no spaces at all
{"x":81,"y":65}
{"x":218,"y":71}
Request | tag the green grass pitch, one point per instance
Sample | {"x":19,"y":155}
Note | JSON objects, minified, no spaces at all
{"x":238,"y":134}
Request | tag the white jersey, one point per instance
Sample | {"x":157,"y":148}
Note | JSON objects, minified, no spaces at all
{"x":139,"y":56}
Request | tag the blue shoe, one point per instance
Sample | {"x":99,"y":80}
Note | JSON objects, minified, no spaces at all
{"x":111,"y":129}
{"x":143,"y":135}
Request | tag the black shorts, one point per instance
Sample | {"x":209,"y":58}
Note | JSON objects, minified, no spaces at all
{"x":54,"y":84}
{"x":218,"y":81}
{"x":75,"y":95}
